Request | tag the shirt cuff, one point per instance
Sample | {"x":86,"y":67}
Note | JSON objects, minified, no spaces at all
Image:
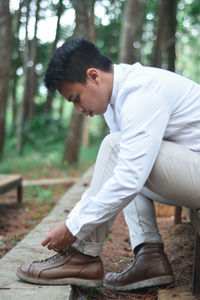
{"x":73,"y":228}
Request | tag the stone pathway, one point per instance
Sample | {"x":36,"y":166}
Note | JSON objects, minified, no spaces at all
{"x":29,"y":249}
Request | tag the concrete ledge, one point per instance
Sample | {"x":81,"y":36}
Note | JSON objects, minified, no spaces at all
{"x":29,"y":249}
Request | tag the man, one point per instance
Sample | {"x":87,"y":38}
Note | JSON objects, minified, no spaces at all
{"x":152,"y":154}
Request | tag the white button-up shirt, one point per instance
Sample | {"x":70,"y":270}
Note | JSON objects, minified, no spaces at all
{"x":147,"y":105}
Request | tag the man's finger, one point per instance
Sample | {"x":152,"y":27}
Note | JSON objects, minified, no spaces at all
{"x":50,"y":247}
{"x":56,"y":249}
{"x":46,"y":241}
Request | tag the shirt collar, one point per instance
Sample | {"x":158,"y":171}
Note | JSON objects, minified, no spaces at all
{"x":115,"y":85}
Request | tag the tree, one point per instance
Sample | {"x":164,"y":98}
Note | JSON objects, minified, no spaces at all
{"x":50,"y":94}
{"x":92,"y":35}
{"x":131,"y":31}
{"x":74,"y":135}
{"x":16,"y":59}
{"x":32,"y":75}
{"x":5,"y":61}
{"x":164,"y":47}
{"x":107,"y":36}
{"x":158,"y":45}
{"x":24,"y":103}
{"x":171,"y":45}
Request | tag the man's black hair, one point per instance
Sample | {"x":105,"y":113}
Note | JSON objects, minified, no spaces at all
{"x":71,"y":62}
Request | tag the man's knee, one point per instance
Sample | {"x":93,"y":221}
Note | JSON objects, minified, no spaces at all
{"x":175,"y":175}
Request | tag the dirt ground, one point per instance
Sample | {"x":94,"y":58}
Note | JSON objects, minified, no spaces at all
{"x":117,"y":254}
{"x":16,"y":221}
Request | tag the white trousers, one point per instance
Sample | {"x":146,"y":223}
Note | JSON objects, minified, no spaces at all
{"x":174,"y":180}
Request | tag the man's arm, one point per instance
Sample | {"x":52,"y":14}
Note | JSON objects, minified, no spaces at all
{"x":143,"y":121}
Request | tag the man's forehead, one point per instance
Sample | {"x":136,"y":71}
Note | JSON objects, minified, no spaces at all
{"x":68,"y":86}
{"x":66,"y":89}
{"x":65,"y":86}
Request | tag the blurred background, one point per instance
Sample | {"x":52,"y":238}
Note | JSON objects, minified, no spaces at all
{"x":40,"y":131}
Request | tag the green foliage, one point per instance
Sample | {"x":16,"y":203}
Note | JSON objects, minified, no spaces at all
{"x":188,"y":39}
{"x":192,"y":8}
{"x":109,"y":238}
{"x":90,"y":153}
{"x":149,"y":32}
{"x":108,"y":39}
{"x":41,"y":133}
{"x":43,"y":149}
{"x":108,"y":35}
{"x":44,"y":196}
{"x":45,"y":134}
{"x":3,"y":225}
{"x":44,"y":142}
{"x":38,"y":191}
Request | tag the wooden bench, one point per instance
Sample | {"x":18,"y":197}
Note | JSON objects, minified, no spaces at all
{"x":194,"y":216}
{"x":9,"y":182}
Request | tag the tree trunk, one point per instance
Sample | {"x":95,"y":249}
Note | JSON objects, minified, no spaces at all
{"x":82,"y":18}
{"x":92,"y":35}
{"x":73,"y":138}
{"x":164,"y":47}
{"x":16,"y":64}
{"x":32,"y":77}
{"x":158,"y":44}
{"x":75,"y":131}
{"x":13,"y":99}
{"x":131,"y":31}
{"x":5,"y":60}
{"x":171,"y":49}
{"x":50,"y":94}
{"x":24,"y":104}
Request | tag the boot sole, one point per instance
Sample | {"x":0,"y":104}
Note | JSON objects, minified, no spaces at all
{"x":61,"y":281}
{"x":141,"y":284}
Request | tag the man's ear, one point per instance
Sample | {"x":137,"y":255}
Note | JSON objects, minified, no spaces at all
{"x":93,"y":75}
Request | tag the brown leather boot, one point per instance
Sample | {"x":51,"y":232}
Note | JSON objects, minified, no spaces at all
{"x":150,"y":268}
{"x":67,"y":267}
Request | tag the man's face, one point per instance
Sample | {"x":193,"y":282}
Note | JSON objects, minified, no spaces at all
{"x":91,"y":98}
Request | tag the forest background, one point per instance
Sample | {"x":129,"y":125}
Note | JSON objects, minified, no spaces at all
{"x":41,"y":135}
{"x":40,"y":128}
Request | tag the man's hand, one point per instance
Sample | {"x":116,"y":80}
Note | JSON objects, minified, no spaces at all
{"x":59,"y":237}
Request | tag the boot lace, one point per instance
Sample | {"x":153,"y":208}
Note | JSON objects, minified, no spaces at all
{"x":55,"y":258}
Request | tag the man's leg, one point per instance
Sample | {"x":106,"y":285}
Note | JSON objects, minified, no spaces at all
{"x":144,"y":234}
{"x":174,"y":180}
{"x":140,"y":217}
{"x":141,"y":212}
{"x":175,"y":176}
